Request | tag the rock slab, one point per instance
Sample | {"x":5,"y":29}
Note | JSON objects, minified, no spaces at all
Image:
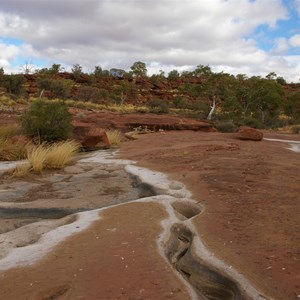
{"x":248,"y":133}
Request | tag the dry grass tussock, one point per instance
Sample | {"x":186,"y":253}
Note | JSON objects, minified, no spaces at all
{"x":114,"y":137}
{"x":54,"y":156}
{"x":10,"y":150}
{"x":8,"y":131}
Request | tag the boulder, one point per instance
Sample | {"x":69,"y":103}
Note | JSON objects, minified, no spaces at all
{"x":248,"y":133}
{"x":90,"y":138}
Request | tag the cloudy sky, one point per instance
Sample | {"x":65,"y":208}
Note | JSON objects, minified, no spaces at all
{"x":252,"y":37}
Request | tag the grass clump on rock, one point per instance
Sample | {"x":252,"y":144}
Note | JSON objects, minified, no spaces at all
{"x":54,"y":156}
{"x":114,"y":137}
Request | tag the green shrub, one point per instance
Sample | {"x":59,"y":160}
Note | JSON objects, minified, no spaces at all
{"x":88,"y":93}
{"x":226,"y":126}
{"x":49,"y":121}
{"x":158,"y":106}
{"x":252,"y":122}
{"x":56,"y":88}
{"x":13,"y":83}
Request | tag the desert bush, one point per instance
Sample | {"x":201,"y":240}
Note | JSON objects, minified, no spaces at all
{"x":56,"y":88}
{"x":158,"y":106}
{"x":252,"y":122}
{"x":13,"y":83}
{"x":114,"y":137}
{"x":48,"y":121}
{"x":88,"y":93}
{"x":226,"y":126}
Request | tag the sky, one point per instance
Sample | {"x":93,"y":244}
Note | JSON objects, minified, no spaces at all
{"x":252,"y":37}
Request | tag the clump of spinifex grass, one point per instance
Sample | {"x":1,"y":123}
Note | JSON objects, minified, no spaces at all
{"x":37,"y":156}
{"x":44,"y":156}
{"x":60,"y":154}
{"x":11,"y":151}
{"x":114,"y":137}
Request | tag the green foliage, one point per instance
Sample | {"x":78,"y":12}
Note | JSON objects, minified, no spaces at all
{"x":88,"y":93}
{"x":180,"y":102}
{"x":139,"y":69}
{"x":48,"y":121}
{"x":124,"y":91}
{"x":1,"y":71}
{"x":13,"y":83}
{"x":76,"y":70}
{"x":99,"y":72}
{"x":54,"y":70}
{"x":252,"y":122}
{"x":57,"y":88}
{"x":202,"y":71}
{"x":158,"y":106}
{"x":292,"y":106}
{"x":226,"y":126}
{"x":173,"y":75}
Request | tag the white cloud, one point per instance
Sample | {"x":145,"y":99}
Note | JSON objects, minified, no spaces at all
{"x":7,"y":54}
{"x":166,"y":34}
{"x":282,"y":45}
{"x":295,"y":40}
{"x":297,"y":4}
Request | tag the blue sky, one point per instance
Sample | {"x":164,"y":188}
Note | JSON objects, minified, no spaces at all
{"x":235,"y":36}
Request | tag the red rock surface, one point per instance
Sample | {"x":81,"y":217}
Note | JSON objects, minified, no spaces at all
{"x":248,"y":133}
{"x":127,"y":122}
{"x":90,"y":137}
{"x":251,"y":196}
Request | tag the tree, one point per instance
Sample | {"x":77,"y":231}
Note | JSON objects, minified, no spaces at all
{"x":173,"y":75}
{"x":214,"y":87}
{"x":268,"y":96}
{"x":77,"y":70}
{"x":139,"y":69}
{"x":202,"y":71}
{"x":271,"y":76}
{"x":292,"y":106}
{"x":27,"y":68}
{"x":53,"y":70}
{"x":123,"y":91}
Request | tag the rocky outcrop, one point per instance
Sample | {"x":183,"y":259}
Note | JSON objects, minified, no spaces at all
{"x":248,"y":133}
{"x":131,"y":121}
{"x":91,"y":138}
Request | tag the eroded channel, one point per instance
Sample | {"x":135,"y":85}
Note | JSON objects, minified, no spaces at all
{"x":97,"y":182}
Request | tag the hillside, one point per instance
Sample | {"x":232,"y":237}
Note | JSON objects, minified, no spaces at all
{"x":255,"y":101}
